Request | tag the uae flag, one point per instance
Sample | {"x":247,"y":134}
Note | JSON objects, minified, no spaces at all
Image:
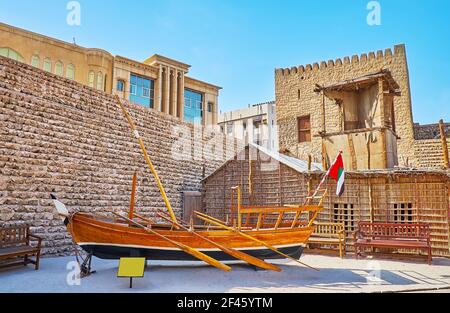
{"x":337,"y":172}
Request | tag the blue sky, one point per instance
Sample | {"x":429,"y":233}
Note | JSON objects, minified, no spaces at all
{"x":237,"y":44}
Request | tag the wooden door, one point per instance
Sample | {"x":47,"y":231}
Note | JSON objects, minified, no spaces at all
{"x":192,"y":201}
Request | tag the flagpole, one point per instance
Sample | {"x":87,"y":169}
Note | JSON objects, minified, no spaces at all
{"x":324,"y":178}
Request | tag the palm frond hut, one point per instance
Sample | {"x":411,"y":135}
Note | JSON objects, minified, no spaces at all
{"x":396,"y":195}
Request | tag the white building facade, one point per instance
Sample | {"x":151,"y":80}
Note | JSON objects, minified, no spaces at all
{"x":256,"y":124}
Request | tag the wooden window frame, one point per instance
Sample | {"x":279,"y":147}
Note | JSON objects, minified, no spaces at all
{"x":404,"y":213}
{"x":345,"y":213}
{"x":305,"y":131}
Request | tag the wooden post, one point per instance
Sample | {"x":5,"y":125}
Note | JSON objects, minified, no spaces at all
{"x":324,"y":127}
{"x":133,"y":196}
{"x":310,"y":214}
{"x":384,"y":152}
{"x":309,"y":178}
{"x":324,"y":156}
{"x":239,"y":216}
{"x":232,"y":208}
{"x":250,"y":179}
{"x":351,"y":145}
{"x":368,"y":142}
{"x":444,"y":144}
{"x":381,"y":101}
{"x":372,"y":213}
{"x":280,"y":184}
{"x":225,"y":188}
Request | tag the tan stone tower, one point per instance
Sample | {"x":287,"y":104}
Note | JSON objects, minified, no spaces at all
{"x":359,"y":105}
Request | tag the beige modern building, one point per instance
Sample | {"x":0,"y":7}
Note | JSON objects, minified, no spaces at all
{"x":255,"y":124}
{"x":158,"y":82}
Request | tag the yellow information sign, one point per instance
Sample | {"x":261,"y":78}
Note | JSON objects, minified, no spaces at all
{"x":131,"y":268}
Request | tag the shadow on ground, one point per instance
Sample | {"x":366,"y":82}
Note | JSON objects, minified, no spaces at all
{"x":173,"y":277}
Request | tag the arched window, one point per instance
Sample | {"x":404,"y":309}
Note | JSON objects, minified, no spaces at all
{"x":70,"y":72}
{"x":47,"y":65}
{"x":91,"y":79}
{"x":35,"y":61}
{"x":12,"y":54}
{"x":100,"y":81}
{"x":120,"y":85}
{"x":59,"y":68}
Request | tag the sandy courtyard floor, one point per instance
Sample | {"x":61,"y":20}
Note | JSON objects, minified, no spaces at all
{"x":335,"y":275}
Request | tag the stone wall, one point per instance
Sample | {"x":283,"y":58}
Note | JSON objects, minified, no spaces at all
{"x":429,"y":152}
{"x":295,"y":97}
{"x":430,"y":131}
{"x":58,"y":136}
{"x":428,"y":145}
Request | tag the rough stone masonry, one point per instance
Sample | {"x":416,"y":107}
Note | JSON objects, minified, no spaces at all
{"x":58,"y":136}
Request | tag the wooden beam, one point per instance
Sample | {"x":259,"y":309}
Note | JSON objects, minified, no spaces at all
{"x":384,"y":147}
{"x":277,"y":210}
{"x":351,"y":146}
{"x":444,"y":144}
{"x":133,"y":196}
{"x":250,"y":178}
{"x":324,"y":127}
{"x":280,"y":184}
{"x":369,"y":156}
{"x":381,"y":101}
{"x":324,"y":156}
{"x":372,"y":210}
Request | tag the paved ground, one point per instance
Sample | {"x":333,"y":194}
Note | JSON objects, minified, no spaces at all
{"x":335,"y":275}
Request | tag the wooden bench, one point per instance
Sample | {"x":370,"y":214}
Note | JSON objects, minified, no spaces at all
{"x":393,"y":236}
{"x":15,"y":243}
{"x":330,"y":234}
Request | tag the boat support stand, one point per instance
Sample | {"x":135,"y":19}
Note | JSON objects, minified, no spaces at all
{"x":84,"y":263}
{"x":85,"y":267}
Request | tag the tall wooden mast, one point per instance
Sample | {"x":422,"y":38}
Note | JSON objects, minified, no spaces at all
{"x":147,"y":159}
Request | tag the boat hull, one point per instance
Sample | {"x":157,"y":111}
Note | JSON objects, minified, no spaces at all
{"x":108,"y":240}
{"x":113,"y":252}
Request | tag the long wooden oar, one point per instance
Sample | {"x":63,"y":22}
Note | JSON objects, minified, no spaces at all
{"x":234,"y":253}
{"x":147,"y":158}
{"x":195,"y":253}
{"x":216,"y":222}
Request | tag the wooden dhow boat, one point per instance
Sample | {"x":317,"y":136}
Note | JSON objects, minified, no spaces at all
{"x":252,"y":234}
